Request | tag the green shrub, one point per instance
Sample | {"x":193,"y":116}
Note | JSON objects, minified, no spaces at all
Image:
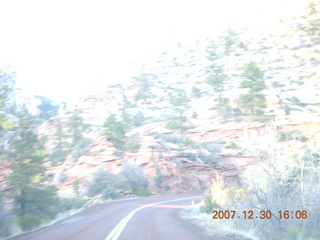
{"x":209,"y":159}
{"x":221,"y":142}
{"x":158,"y":180}
{"x":134,"y":176}
{"x":110,"y":193}
{"x":37,"y":202}
{"x":290,"y":181}
{"x":29,"y":222}
{"x":117,"y":153}
{"x":211,"y":147}
{"x":67,"y":204}
{"x":142,"y":192}
{"x":188,"y":142}
{"x":296,"y":101}
{"x":104,"y":182}
{"x":58,"y":156}
{"x":5,"y":224}
{"x":208,"y":205}
{"x":232,"y":145}
{"x":294,"y":134}
{"x":190,"y":155}
{"x":133,"y":143}
{"x":79,"y":153}
{"x":173,"y":138}
{"x":172,"y":125}
{"x":82,"y":144}
{"x":178,"y":162}
{"x":138,"y":119}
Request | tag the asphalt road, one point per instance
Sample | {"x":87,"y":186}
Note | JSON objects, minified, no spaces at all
{"x":151,"y":218}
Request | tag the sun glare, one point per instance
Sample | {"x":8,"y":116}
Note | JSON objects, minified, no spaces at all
{"x":60,"y":49}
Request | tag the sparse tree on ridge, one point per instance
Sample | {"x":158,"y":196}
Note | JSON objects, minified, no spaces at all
{"x":114,"y":130}
{"x":76,"y":128}
{"x":217,"y":79}
{"x":253,"y":102}
{"x":62,"y":146}
{"x":180,"y":104}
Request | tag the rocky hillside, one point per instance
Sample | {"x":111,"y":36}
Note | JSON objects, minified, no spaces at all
{"x":215,"y":142}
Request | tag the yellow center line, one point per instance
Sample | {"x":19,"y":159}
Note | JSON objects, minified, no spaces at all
{"x":116,"y":231}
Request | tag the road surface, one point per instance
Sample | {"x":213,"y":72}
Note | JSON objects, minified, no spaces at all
{"x":151,"y":218}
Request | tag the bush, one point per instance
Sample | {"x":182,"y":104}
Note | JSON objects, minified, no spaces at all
{"x":211,"y":147}
{"x":216,"y":195}
{"x":29,"y":222}
{"x":106,"y":183}
{"x":158,"y":180}
{"x":209,"y":205}
{"x":133,"y":143}
{"x":190,"y":155}
{"x":79,"y":153}
{"x":280,"y":182}
{"x":188,"y":142}
{"x":178,"y":162}
{"x":110,"y":193}
{"x":291,"y":135}
{"x":172,"y":125}
{"x":232,"y":145}
{"x":117,"y":153}
{"x":173,"y":138}
{"x":296,"y":101}
{"x":135,"y":176}
{"x":58,"y":156}
{"x":138,"y":119}
{"x":142,"y":192}
{"x":209,"y":159}
{"x":82,"y":144}
{"x":67,"y":204}
{"x":45,"y":200}
{"x":5,"y":224}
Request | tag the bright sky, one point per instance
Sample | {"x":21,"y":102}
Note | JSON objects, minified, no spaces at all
{"x":62,"y":48}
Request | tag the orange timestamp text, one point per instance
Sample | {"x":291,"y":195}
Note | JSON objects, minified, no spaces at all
{"x":232,"y":214}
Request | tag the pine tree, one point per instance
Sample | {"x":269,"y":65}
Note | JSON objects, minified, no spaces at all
{"x":253,"y":101}
{"x":114,"y":130}
{"x":62,"y":147}
{"x":180,"y":104}
{"x":211,"y":50}
{"x":47,"y":108}
{"x":32,"y":192}
{"x":144,"y":86}
{"x":77,"y":127}
{"x":217,"y":79}
{"x":7,"y":81}
{"x":230,"y":40}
